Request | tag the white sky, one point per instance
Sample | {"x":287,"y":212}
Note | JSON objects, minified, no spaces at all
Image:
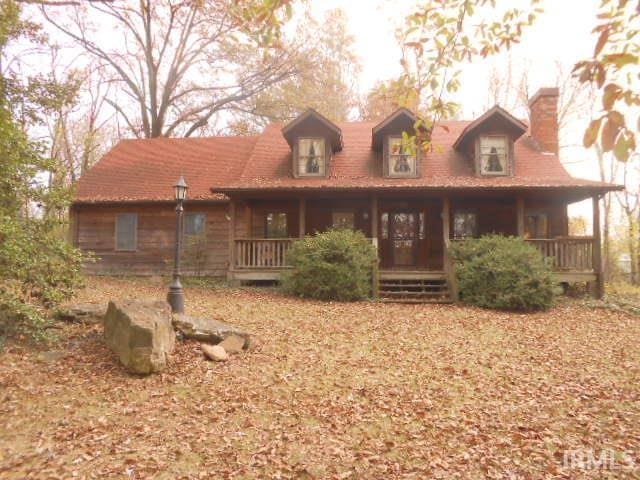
{"x":562,"y":34}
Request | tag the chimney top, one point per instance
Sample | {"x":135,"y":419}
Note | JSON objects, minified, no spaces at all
{"x":543,"y":127}
{"x":544,"y":92}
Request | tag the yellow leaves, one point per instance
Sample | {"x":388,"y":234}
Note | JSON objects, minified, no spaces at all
{"x":620,"y":60}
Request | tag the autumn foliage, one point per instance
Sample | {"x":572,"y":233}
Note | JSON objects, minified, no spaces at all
{"x":335,"y":265}
{"x":503,"y":273}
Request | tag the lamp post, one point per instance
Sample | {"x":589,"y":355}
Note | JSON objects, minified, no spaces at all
{"x":175,"y":297}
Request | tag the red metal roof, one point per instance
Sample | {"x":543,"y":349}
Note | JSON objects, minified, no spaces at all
{"x":139,"y":170}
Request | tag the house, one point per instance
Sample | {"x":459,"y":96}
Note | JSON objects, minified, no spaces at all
{"x":250,"y":197}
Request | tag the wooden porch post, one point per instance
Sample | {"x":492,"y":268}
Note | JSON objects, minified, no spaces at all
{"x":302,"y":216}
{"x":249,"y":219}
{"x":520,"y":213}
{"x":375,"y":287}
{"x":232,"y":234}
{"x":598,"y":291}
{"x":374,"y":219}
{"x":448,"y":263}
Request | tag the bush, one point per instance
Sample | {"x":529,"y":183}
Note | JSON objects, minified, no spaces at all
{"x":502,"y":272}
{"x":335,"y":265}
{"x":38,"y":269}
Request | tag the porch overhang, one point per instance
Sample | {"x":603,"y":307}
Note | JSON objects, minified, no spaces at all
{"x":573,"y":193}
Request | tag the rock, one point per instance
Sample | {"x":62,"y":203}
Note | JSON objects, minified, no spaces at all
{"x":83,"y":313}
{"x":214,"y":352}
{"x":233,"y":344}
{"x":140,"y":333}
{"x":208,"y":330}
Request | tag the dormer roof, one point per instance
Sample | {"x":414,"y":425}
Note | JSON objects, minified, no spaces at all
{"x":496,"y":116}
{"x":312,"y":124}
{"x":402,"y":120}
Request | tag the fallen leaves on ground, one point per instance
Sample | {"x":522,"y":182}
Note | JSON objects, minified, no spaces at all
{"x":330,"y":390}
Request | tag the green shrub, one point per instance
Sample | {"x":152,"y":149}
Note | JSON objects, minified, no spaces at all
{"x":502,"y":272}
{"x":335,"y":265}
{"x":38,"y":270}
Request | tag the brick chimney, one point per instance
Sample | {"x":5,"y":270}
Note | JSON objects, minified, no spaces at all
{"x":544,"y":119}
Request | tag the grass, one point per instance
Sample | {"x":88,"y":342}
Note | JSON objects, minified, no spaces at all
{"x":331,"y":390}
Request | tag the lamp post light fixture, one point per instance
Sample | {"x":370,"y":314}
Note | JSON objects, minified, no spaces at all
{"x":175,"y":297}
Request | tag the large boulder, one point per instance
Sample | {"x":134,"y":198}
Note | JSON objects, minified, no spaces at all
{"x":140,"y":333}
{"x":208,"y":330}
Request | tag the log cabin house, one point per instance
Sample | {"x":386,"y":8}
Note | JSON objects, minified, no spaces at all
{"x":250,"y":197}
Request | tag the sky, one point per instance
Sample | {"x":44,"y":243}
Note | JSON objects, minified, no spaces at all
{"x":561,"y":35}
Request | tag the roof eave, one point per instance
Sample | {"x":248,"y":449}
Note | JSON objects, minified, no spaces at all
{"x":495,"y":110}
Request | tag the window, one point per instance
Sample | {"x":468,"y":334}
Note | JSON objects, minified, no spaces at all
{"x":402,"y":162}
{"x":276,"y":225}
{"x":493,"y":155}
{"x":311,"y":157}
{"x":195,"y":223}
{"x":343,"y":220}
{"x":536,"y":225}
{"x":465,"y":225}
{"x":126,"y":231}
{"x":421,"y":226}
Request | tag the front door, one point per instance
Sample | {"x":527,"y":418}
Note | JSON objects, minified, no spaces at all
{"x":403,"y":230}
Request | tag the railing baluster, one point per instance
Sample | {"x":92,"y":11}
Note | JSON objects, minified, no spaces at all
{"x":261,"y":253}
{"x":572,"y":254}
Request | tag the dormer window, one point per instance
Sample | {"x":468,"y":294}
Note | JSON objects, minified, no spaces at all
{"x":494,"y":151}
{"x":313,"y":140}
{"x":389,"y":138}
{"x":488,"y":142}
{"x":311,"y":157}
{"x":402,"y":162}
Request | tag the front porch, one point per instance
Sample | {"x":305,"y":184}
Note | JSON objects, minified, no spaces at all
{"x":412,"y":234}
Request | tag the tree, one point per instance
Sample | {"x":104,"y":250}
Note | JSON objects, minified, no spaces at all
{"x":37,"y":266}
{"x":577,"y":225}
{"x":629,"y":201}
{"x":324,"y":79}
{"x":78,"y":133}
{"x":177,"y":64}
{"x":386,"y":97}
{"x":614,"y":69}
{"x":441,"y":34}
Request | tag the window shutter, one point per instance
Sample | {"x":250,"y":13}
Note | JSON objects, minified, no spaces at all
{"x":126,"y":231}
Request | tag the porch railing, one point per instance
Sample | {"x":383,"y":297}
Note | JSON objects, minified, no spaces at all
{"x":262,"y":252}
{"x":266,"y":252}
{"x":567,"y":253}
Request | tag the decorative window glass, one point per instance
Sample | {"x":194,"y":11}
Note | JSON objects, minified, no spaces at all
{"x":536,"y":225}
{"x":311,"y":157}
{"x":343,"y":220}
{"x":194,"y":223}
{"x":384,"y":226}
{"x":421,"y":226}
{"x":402,"y":162}
{"x":126,"y":231}
{"x":493,"y":155}
{"x":465,"y":225}
{"x":276,"y":225}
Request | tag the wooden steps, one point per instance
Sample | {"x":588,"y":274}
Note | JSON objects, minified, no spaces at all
{"x":412,"y":290}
